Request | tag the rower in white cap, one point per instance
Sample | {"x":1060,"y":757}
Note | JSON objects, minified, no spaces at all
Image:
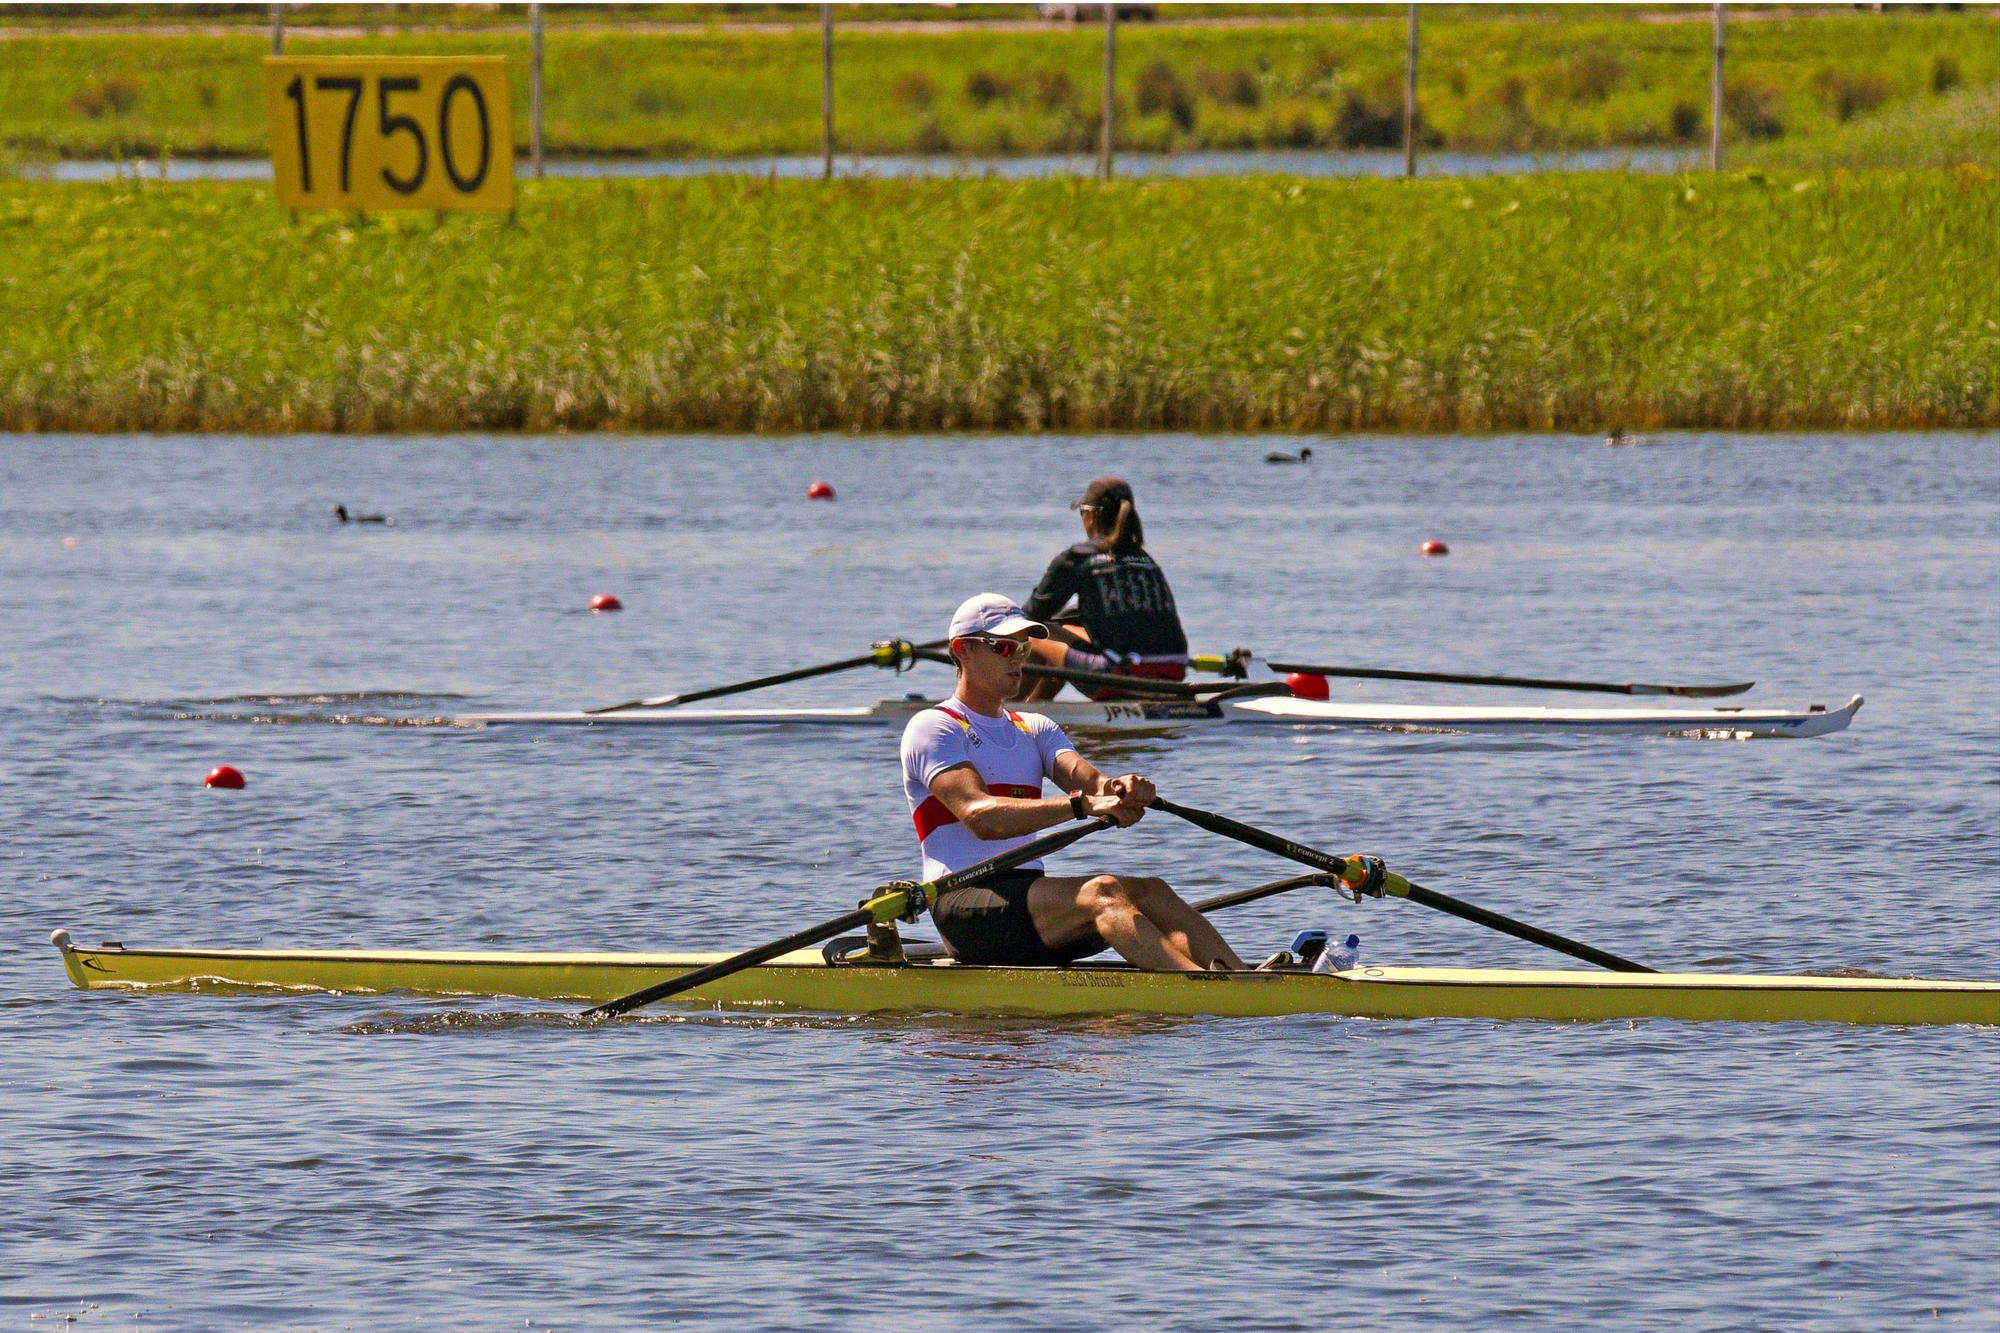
{"x":973,"y":772}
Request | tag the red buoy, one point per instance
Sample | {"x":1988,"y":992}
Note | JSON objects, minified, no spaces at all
{"x":1434,"y":547}
{"x":1305,"y":685}
{"x":819,"y":490}
{"x":604,"y":601}
{"x":222,"y":775}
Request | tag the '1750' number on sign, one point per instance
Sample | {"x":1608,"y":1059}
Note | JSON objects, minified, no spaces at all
{"x":391,"y":132}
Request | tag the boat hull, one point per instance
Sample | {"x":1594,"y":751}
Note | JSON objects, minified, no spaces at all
{"x":804,"y":981}
{"x":1159,"y":715}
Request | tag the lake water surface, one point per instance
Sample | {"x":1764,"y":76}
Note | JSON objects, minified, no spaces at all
{"x":201,"y":1161}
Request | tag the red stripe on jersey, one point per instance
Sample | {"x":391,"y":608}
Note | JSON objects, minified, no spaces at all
{"x":934,"y":814}
{"x":931,"y":816}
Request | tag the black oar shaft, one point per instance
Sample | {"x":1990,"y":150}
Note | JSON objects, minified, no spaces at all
{"x":1255,"y":837}
{"x":1102,"y":680}
{"x":891,"y":654}
{"x":1136,"y":685}
{"x":763,"y":953}
{"x":1517,"y":682}
{"x":1154,"y":691}
{"x":860,"y":916}
{"x":1521,"y":930}
{"x":1027,"y":851}
{"x":781,"y":678}
{"x":1242,"y":896}
{"x":1312,"y":856}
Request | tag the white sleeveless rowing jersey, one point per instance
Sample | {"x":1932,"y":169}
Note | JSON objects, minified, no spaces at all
{"x":1013,"y":753}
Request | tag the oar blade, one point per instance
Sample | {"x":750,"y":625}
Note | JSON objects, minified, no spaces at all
{"x":1693,"y":691}
{"x":657,"y":701}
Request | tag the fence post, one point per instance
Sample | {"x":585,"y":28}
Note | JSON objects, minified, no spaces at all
{"x":535,"y":90}
{"x":1715,"y":99}
{"x":826,"y":90}
{"x":277,"y":30}
{"x":1410,"y":100}
{"x":1110,"y":89}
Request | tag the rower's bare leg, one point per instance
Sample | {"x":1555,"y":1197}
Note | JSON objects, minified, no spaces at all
{"x":1050,"y":652}
{"x":1188,"y":930}
{"x":1125,"y":912}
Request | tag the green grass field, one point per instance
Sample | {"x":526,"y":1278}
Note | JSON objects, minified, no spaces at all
{"x":1935,"y":133}
{"x":1526,"y":79}
{"x":1566,"y":303}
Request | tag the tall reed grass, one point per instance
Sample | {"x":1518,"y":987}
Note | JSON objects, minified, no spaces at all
{"x":1249,"y":304}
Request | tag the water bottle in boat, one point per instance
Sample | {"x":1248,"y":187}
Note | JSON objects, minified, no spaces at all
{"x":1341,"y":957}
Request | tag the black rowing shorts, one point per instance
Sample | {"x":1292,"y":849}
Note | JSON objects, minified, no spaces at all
{"x":989,"y":923}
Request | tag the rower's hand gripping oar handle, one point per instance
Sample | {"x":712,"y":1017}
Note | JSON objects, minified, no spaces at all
{"x":916,"y":899}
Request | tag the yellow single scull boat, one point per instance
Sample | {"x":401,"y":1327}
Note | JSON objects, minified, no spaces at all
{"x":808,"y":981}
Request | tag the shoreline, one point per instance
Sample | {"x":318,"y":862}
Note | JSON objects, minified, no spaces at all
{"x":1490,"y":83}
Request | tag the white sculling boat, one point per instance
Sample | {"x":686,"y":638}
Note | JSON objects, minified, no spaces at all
{"x":1162,"y":714}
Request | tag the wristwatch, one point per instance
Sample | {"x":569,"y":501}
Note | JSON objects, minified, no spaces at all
{"x":1078,"y":807}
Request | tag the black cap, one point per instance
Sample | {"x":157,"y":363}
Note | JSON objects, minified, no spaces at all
{"x":1104,"y":493}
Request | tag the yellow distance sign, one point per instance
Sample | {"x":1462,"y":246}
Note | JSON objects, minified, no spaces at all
{"x":367,"y":132}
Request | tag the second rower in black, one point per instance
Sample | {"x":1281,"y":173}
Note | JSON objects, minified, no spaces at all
{"x":1125,"y":622}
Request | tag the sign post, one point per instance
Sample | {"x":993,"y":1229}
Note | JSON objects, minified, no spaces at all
{"x":1410,"y":100}
{"x":382,"y":132}
{"x":1715,"y":99}
{"x":1110,"y":90}
{"x":535,"y":92}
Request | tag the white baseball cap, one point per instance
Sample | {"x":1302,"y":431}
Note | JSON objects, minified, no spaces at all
{"x":993,"y":613}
